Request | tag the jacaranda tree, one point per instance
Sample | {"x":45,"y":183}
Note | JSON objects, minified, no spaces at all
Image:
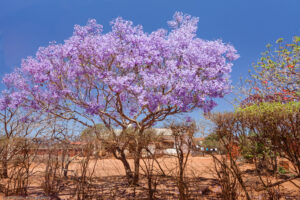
{"x":124,"y":78}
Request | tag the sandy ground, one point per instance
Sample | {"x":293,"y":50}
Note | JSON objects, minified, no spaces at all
{"x":199,"y":166}
{"x":111,"y":175}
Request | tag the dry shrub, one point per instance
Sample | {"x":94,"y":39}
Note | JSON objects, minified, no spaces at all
{"x":84,"y":177}
{"x":52,"y":183}
{"x":229,"y":174}
{"x":150,"y":173}
{"x":268,"y":132}
{"x":183,"y":134}
{"x":226,"y":179}
{"x":20,"y":169}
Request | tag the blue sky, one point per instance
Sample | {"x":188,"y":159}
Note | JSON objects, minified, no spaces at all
{"x":248,"y":25}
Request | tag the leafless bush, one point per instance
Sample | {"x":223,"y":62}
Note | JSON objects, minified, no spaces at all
{"x":226,"y":179}
{"x":14,"y":126}
{"x":20,"y":169}
{"x":183,"y":134}
{"x":52,"y":179}
{"x":85,"y":175}
{"x":229,"y":132}
{"x":58,"y":152}
{"x":150,"y":172}
{"x":17,"y":155}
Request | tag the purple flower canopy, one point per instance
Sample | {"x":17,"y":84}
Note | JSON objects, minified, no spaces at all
{"x":124,"y":71}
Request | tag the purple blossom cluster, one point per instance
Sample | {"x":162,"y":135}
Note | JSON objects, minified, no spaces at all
{"x":125,"y":71}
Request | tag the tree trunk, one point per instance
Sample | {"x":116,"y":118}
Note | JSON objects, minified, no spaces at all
{"x":137,"y":159}
{"x":181,"y":183}
{"x":4,"y":170}
{"x":4,"y":160}
{"x":128,"y":172}
{"x":66,"y":169}
{"x":150,"y":189}
{"x":182,"y":190}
